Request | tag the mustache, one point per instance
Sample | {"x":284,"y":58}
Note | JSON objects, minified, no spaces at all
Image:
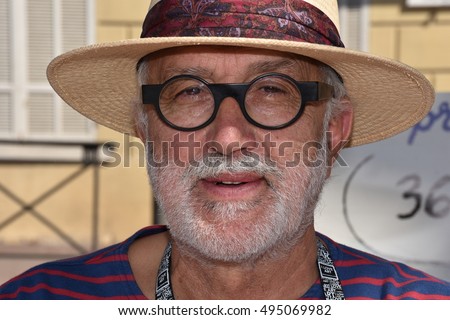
{"x":213,"y":164}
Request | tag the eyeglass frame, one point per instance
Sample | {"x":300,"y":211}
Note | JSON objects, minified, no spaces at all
{"x":310,"y":91}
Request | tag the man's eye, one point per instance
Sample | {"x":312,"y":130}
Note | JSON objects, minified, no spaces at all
{"x":191,"y":91}
{"x":272,"y":89}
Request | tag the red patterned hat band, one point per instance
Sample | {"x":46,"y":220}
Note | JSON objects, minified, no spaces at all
{"x":294,"y":20}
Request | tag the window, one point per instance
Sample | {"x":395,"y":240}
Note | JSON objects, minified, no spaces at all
{"x":354,"y":19}
{"x":32,"y":32}
{"x":427,"y":3}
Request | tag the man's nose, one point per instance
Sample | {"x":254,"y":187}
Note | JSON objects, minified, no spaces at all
{"x":230,"y":130}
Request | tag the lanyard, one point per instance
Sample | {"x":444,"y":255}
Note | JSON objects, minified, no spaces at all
{"x":329,"y":279}
{"x":163,"y":284}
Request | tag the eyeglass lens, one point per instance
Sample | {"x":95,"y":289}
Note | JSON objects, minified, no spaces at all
{"x":270,"y":101}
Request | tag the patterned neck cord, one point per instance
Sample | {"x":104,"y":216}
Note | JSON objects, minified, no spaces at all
{"x":329,"y":279}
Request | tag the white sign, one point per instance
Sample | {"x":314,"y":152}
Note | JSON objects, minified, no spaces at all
{"x":393,"y":197}
{"x":427,"y":3}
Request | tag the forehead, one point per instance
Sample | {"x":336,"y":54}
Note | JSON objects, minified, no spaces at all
{"x":229,"y":62}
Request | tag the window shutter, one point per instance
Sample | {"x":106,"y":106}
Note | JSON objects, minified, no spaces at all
{"x":5,"y":45}
{"x":41,"y":113}
{"x":6,"y":118}
{"x":354,"y":23}
{"x":55,"y":26}
{"x":40,"y":106}
{"x":32,"y":33}
{"x":354,"y":33}
{"x":40,"y":39}
{"x":74,"y":22}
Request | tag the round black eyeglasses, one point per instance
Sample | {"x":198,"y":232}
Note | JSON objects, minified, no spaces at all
{"x":270,"y":101}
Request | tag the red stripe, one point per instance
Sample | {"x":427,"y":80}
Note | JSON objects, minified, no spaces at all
{"x":103,"y":254}
{"x":376,"y":282}
{"x":417,"y":295}
{"x":97,"y":280}
{"x":402,"y":272}
{"x":410,"y":294}
{"x":379,"y":282}
{"x":425,"y":276}
{"x":398,"y":267}
{"x":360,"y":298}
{"x":113,"y":258}
{"x":62,"y":292}
{"x":353,"y":263}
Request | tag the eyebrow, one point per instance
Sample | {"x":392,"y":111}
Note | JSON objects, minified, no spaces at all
{"x":272,"y":65}
{"x":197,"y":71}
{"x":253,"y":69}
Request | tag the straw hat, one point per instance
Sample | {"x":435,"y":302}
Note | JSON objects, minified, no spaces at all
{"x":100,"y":82}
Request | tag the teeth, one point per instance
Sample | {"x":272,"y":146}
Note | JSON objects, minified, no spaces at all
{"x":228,"y":182}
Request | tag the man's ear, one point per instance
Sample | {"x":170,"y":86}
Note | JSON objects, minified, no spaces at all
{"x":139,"y":131}
{"x":139,"y":127}
{"x":339,"y":131}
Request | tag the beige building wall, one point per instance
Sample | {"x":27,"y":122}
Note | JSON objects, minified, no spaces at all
{"x":418,"y":37}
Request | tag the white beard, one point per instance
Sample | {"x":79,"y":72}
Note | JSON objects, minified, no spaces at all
{"x":285,"y":214}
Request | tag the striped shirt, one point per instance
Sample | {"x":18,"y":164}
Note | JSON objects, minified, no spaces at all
{"x":106,"y":274}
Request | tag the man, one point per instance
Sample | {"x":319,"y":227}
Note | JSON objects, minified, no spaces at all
{"x":243,"y":106}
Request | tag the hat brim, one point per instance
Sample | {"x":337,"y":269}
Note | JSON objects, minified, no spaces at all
{"x":100,"y":82}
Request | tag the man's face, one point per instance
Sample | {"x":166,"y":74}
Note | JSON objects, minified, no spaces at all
{"x":232,"y":191}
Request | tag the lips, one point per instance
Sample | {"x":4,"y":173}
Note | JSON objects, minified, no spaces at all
{"x":234,"y":178}
{"x":243,"y":186}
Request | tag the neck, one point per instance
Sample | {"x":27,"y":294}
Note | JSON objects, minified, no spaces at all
{"x":286,"y":276}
